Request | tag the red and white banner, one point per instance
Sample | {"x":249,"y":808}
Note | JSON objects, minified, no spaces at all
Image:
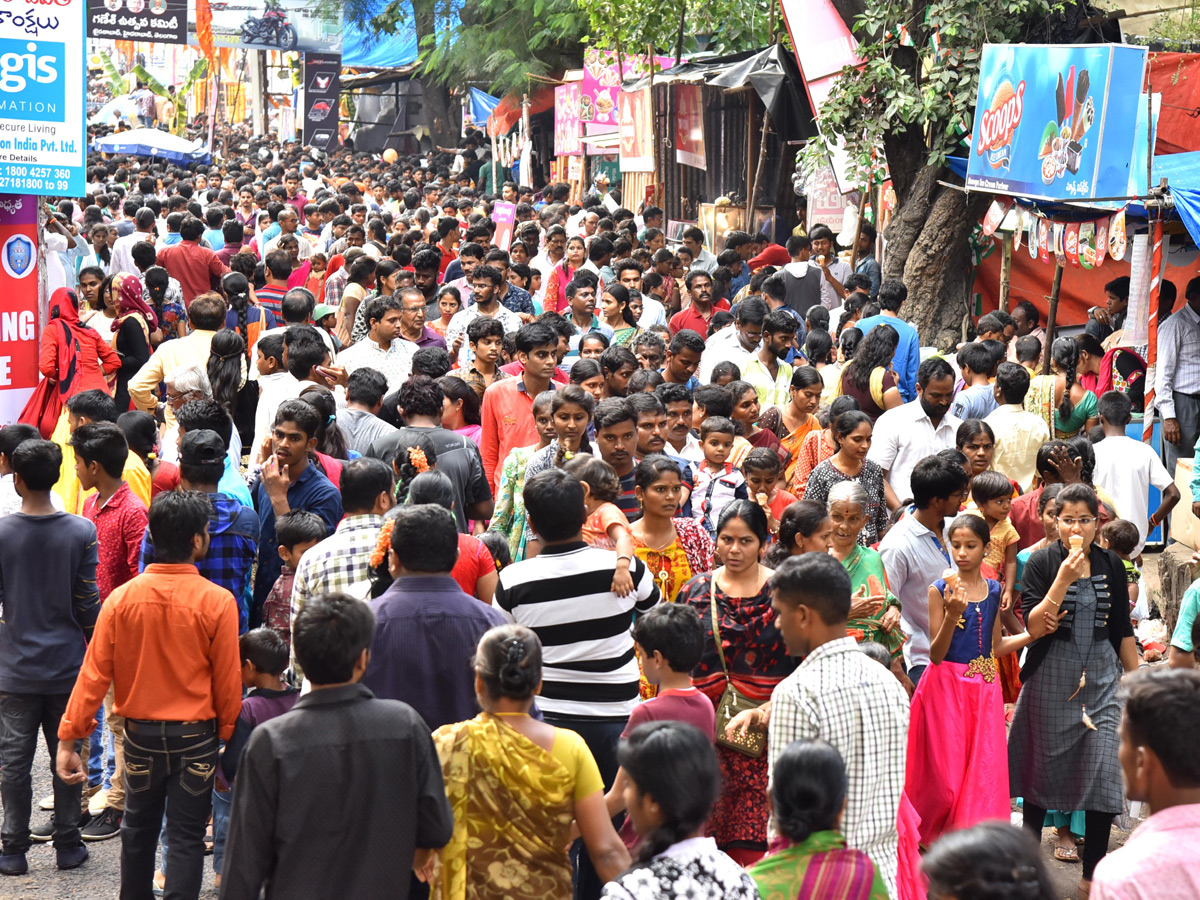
{"x":636,"y":130}
{"x":19,"y":333}
{"x":504,"y":214}
{"x":689,"y":126}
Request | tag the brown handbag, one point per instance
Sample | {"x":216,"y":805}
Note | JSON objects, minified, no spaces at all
{"x":733,"y":701}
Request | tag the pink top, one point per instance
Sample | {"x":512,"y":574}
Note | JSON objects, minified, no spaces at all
{"x":1158,"y":860}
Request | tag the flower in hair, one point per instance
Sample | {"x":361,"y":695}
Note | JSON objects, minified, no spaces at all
{"x":382,"y":544}
{"x":416,"y":457}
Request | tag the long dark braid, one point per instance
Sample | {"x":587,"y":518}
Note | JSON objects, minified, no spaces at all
{"x":1065,"y":353}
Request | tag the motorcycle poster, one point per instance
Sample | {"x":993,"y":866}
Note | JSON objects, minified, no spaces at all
{"x":322,"y":87}
{"x":308,"y":26}
{"x":156,"y":21}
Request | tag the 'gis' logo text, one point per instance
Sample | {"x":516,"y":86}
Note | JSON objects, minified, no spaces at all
{"x":31,"y":82}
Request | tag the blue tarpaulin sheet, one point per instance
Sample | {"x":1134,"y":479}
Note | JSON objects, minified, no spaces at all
{"x":364,"y":48}
{"x":482,"y":105}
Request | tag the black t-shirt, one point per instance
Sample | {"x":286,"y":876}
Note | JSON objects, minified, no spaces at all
{"x":457,"y":458}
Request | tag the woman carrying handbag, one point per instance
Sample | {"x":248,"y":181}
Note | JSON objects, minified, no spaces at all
{"x":744,"y":658}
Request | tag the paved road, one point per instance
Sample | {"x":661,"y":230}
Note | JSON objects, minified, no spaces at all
{"x":99,"y":877}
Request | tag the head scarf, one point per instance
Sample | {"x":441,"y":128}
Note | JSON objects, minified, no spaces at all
{"x":64,"y":304}
{"x":131,"y":301}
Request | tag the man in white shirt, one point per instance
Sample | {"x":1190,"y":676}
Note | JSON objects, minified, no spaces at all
{"x":737,"y":344}
{"x":702,"y":259}
{"x":629,"y":274}
{"x":834,"y":272}
{"x":122,"y":251}
{"x":1177,"y":378}
{"x":839,"y":695}
{"x":915,"y":553}
{"x":289,"y":223}
{"x":1018,"y":433}
{"x":1127,"y":468}
{"x":485,"y":284}
{"x":908,"y":433}
{"x":382,"y":349}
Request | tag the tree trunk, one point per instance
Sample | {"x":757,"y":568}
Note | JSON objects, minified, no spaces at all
{"x":929,"y":249}
{"x":439,"y":105}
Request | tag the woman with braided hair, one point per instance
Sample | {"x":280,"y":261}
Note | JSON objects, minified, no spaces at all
{"x":672,"y":781}
{"x":409,"y":461}
{"x":516,"y":784}
{"x":809,"y":858}
{"x":991,"y":861}
{"x":1067,"y":407}
{"x":247,"y":319}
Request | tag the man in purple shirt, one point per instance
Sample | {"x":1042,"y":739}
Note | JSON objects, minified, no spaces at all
{"x":412,"y":320}
{"x":426,"y":627}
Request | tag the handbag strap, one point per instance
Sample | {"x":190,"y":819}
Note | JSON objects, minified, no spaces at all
{"x":712,"y":605}
{"x":73,"y":342}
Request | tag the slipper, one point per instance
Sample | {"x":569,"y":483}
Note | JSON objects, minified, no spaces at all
{"x":208,"y":840}
{"x":1066,"y":854}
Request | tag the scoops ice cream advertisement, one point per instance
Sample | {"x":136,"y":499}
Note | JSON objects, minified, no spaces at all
{"x":1056,"y":122}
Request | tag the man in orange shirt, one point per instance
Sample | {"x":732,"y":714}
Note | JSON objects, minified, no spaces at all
{"x":167,"y":642}
{"x":507,"y":414}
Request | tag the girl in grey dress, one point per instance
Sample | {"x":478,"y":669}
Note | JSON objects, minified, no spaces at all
{"x":1063,"y":743}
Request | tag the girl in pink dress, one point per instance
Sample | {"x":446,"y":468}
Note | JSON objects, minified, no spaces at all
{"x":957,"y":773}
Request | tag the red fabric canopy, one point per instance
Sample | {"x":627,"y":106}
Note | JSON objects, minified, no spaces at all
{"x":508,"y":110}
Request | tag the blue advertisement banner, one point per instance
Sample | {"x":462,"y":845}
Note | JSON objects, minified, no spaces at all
{"x":1056,"y":122}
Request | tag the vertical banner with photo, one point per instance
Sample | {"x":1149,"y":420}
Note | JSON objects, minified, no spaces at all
{"x":566,"y":120}
{"x":322,"y":85}
{"x":637,"y":134}
{"x":19,"y":337}
{"x":153,"y":21}
{"x":42,"y":84}
{"x":689,"y":125}
{"x":504,"y":214}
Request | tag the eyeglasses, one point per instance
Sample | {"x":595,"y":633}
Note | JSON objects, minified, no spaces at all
{"x":1071,"y":523}
{"x":408,"y":309}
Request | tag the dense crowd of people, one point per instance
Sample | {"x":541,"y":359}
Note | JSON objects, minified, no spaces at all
{"x":398,"y":555}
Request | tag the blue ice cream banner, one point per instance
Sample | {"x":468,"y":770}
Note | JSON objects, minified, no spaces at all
{"x":1056,"y":122}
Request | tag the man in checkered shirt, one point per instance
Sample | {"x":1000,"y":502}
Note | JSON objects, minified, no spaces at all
{"x":839,"y":695}
{"x":340,"y":563}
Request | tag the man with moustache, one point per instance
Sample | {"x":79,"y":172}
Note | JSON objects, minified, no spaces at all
{"x":651,"y":424}
{"x":738,"y":344}
{"x":697,"y":316}
{"x":910,"y":432}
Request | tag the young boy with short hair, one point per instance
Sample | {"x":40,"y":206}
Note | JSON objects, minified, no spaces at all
{"x":298,"y":530}
{"x":668,"y":641}
{"x":762,"y":470}
{"x":120,"y":519}
{"x":486,"y":337}
{"x":716,"y":481}
{"x":992,"y":493}
{"x":1122,"y":538}
{"x":264,"y":657}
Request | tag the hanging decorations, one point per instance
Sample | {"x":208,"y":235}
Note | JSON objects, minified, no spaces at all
{"x":1084,"y":245}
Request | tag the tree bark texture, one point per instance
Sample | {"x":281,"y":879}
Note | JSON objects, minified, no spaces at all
{"x":439,"y":106}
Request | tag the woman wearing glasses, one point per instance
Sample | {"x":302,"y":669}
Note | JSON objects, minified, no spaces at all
{"x":1063,"y":743}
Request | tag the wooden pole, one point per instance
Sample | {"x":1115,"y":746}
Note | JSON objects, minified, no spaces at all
{"x":653,"y":123}
{"x":758,"y":171}
{"x":1006,"y":246}
{"x":1052,"y":318}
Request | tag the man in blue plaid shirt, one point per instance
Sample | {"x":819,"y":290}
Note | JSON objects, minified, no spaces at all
{"x":233,"y":528}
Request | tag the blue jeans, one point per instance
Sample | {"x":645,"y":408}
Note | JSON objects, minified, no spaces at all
{"x":21,"y":717}
{"x":221,"y":803}
{"x":96,"y":751}
{"x":169,"y":767}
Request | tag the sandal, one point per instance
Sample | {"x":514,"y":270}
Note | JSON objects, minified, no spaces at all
{"x":1066,"y":854}
{"x":208,"y":839}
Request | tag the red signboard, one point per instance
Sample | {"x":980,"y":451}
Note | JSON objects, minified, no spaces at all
{"x":689,"y":126}
{"x":18,"y":303}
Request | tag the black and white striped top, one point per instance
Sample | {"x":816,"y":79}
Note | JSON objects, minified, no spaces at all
{"x":564,"y":595}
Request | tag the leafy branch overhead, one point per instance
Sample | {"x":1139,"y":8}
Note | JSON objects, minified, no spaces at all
{"x":499,"y":44}
{"x":915,"y":94}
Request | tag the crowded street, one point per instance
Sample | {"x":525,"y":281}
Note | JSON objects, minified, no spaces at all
{"x":540,"y":451}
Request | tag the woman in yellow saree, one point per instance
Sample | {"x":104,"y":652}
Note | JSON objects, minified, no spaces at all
{"x":516,"y":785}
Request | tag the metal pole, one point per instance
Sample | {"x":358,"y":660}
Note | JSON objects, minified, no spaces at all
{"x":1152,"y":342}
{"x":1052,"y":318}
{"x":1006,"y":245}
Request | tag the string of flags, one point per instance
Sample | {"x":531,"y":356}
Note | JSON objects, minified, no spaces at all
{"x":1080,"y":244}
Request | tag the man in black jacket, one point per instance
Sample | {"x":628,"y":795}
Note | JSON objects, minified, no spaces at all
{"x":343,"y":795}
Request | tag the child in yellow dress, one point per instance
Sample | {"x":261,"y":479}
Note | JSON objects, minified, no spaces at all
{"x":992,"y":493}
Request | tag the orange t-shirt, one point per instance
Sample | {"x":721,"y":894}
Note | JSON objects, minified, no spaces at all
{"x":595,"y":529}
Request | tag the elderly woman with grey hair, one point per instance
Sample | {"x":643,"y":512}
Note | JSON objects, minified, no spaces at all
{"x":874,"y":611}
